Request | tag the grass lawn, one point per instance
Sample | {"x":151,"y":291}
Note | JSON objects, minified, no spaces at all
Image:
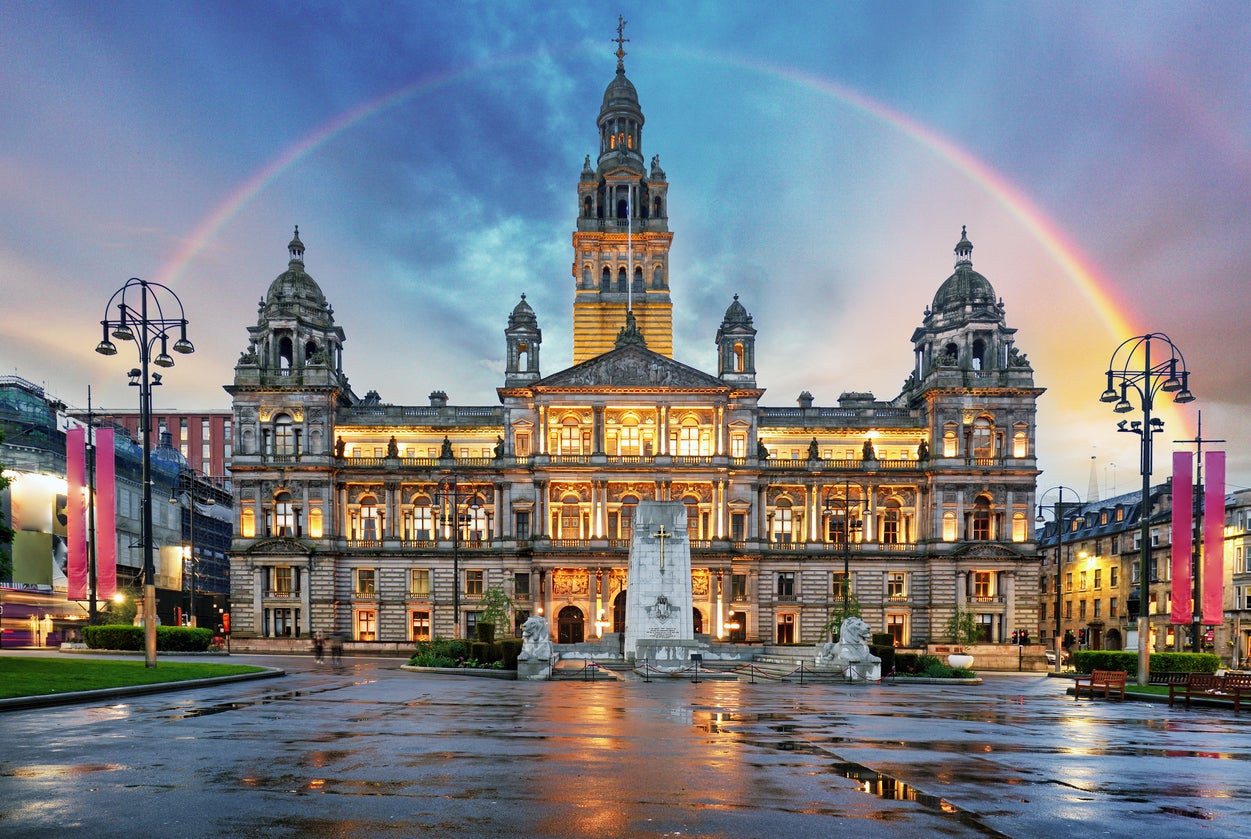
{"x":38,"y":676}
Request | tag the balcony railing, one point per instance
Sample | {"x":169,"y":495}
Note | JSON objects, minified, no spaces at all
{"x":282,"y":594}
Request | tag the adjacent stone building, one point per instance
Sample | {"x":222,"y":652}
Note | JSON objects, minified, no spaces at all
{"x":387,"y":523}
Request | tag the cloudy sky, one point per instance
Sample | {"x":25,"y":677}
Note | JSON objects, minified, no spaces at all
{"x":822,"y":159}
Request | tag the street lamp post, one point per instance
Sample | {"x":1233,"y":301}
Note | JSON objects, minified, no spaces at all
{"x":449,"y":494}
{"x":133,"y":322}
{"x":1057,"y":512}
{"x":1132,"y":369}
{"x":835,"y":507}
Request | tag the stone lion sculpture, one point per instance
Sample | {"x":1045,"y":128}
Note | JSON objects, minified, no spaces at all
{"x":850,"y":652}
{"x":536,"y":640}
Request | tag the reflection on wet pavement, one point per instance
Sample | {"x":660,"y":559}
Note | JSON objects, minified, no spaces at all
{"x":373,"y":751}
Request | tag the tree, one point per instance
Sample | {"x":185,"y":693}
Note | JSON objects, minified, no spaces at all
{"x":496,"y":606}
{"x":838,"y":614}
{"x":963,"y":627}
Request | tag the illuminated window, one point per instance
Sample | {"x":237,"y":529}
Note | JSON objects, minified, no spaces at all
{"x":1020,"y":527}
{"x":284,"y":435}
{"x":949,"y":527}
{"x":284,"y":515}
{"x":897,"y":585}
{"x":315,"y":529}
{"x":419,"y":582}
{"x":1020,"y":443}
{"x":983,"y":584}
{"x":981,"y":519}
{"x":247,"y":523}
{"x":366,"y":625}
{"x":983,"y":438}
{"x":570,"y":517}
{"x":370,"y":519}
{"x":949,"y":441}
{"x":782,"y":521}
{"x":419,"y":626}
{"x":366,"y":582}
{"x":475,"y":583}
{"x":629,"y":436}
{"x":688,"y":437}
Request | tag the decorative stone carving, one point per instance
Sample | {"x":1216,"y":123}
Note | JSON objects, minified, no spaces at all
{"x":569,"y":583}
{"x":536,"y":640}
{"x":850,"y":653}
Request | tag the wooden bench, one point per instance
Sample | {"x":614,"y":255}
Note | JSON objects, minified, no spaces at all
{"x":1210,"y":686}
{"x":1107,"y":681}
{"x":1167,"y":678}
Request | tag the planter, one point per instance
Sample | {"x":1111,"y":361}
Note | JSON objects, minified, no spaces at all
{"x":962,"y":661}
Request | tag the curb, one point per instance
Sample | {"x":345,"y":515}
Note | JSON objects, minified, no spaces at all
{"x":47,"y":700}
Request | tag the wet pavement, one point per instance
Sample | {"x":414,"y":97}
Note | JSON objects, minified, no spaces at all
{"x":365,"y":749}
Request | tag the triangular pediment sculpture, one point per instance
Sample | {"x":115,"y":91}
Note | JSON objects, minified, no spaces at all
{"x":631,"y":366}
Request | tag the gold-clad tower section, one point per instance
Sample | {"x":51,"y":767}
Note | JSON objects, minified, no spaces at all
{"x":621,"y":245}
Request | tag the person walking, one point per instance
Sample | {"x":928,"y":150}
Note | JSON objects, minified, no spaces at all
{"x":319,"y":646}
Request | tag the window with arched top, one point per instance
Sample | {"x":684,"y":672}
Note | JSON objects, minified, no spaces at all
{"x":892,"y":522}
{"x":629,"y":504}
{"x":570,"y":517}
{"x":658,"y":277}
{"x":628,"y":436}
{"x":1020,"y":441}
{"x":949,"y":527}
{"x":284,"y":435}
{"x":983,"y":440}
{"x":316,"y":525}
{"x":284,"y":515}
{"x":474,"y":520}
{"x":621,"y":279}
{"x":978,"y":359}
{"x":981,"y":519}
{"x":371,"y":519}
{"x":570,"y":440}
{"x":950,"y":441}
{"x":1020,"y":527}
{"x":657,"y":208}
{"x":688,"y":437}
{"x":286,"y":353}
{"x":782,"y":522}
{"x":638,"y":279}
{"x":247,"y":523}
{"x":586,"y":207}
{"x":605,"y":279}
{"x":692,"y":516}
{"x":739,"y":356}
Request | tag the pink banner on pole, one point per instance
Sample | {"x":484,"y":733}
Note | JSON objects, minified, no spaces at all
{"x":1183,"y":537}
{"x":106,"y":516}
{"x":1214,"y":538}
{"x":76,"y":512}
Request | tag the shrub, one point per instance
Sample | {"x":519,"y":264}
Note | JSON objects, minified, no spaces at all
{"x":175,"y":639}
{"x":510,"y":648}
{"x":1085,"y":661}
{"x":912,"y":664}
{"x":441,"y":652}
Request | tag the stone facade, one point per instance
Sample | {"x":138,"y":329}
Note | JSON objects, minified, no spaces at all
{"x":386,"y":523}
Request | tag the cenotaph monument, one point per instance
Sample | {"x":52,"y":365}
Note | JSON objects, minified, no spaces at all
{"x":660,"y":622}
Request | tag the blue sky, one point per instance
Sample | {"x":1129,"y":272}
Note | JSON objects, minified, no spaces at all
{"x":822,"y":159}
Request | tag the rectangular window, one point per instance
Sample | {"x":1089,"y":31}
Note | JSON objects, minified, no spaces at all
{"x":284,"y":580}
{"x":228,"y":440}
{"x":1098,"y":608}
{"x":1081,"y":610}
{"x":983,"y":584}
{"x":474,"y":583}
{"x":523,"y":524}
{"x":839,"y":588}
{"x":366,"y":628}
{"x":521,"y":585}
{"x":897,"y":626}
{"x":897,"y":585}
{"x":786,"y":584}
{"x":1113,"y":575}
{"x":1112,"y":604}
{"x":419,"y":582}
{"x":1068,"y":610}
{"x":738,"y":587}
{"x":738,"y":527}
{"x":1068,"y":580}
{"x":366,"y":582}
{"x":419,"y":626}
{"x":738,"y":445}
{"x":1083,"y":580}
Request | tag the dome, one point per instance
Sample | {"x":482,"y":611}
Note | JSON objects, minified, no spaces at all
{"x":620,"y":94}
{"x":965,"y":287}
{"x":735,"y":314}
{"x":522,"y":315}
{"x":294,"y":285}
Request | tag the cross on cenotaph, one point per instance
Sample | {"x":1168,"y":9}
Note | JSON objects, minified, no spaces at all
{"x":662,"y":535}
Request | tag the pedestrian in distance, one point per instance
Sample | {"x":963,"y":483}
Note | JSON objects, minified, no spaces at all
{"x":319,"y":646}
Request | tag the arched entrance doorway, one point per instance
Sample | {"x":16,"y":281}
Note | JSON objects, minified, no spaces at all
{"x":570,"y":625}
{"x":737,"y":624}
{"x":1113,"y":640}
{"x":619,"y":612}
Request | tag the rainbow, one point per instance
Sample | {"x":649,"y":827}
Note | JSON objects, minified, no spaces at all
{"x":1094,"y":288}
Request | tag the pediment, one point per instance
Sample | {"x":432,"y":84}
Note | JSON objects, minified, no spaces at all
{"x":280,"y":546}
{"x":976,"y":550}
{"x":631,"y":367}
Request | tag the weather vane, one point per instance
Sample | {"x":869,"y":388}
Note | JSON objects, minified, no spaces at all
{"x":620,"y":39}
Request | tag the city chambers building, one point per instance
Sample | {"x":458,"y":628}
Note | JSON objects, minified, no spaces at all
{"x":386,"y":524}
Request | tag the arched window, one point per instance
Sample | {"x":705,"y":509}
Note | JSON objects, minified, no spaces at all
{"x":692,"y":516}
{"x":950,"y":441}
{"x":284,"y":515}
{"x":739,"y":363}
{"x":688,"y":437}
{"x":286,"y":353}
{"x":247,"y":523}
{"x":638,"y":279}
{"x":629,"y":504}
{"x":892,"y":522}
{"x":284,"y":435}
{"x":979,"y":355}
{"x":621,"y":279}
{"x":622,"y":208}
{"x":658,"y":277}
{"x":475,"y":521}
{"x":570,"y":517}
{"x":983,"y":437}
{"x":657,"y":208}
{"x":570,"y":436}
{"x":981,"y":519}
{"x":316,"y":528}
{"x":586,"y":207}
{"x":949,"y":527}
{"x":1020,"y":441}
{"x":371,"y":519}
{"x":423,"y":520}
{"x":629,"y":436}
{"x":586,"y":276}
{"x":782,"y":520}
{"x":605,"y":279}
{"x":951,"y":354}
{"x":1019,"y":527}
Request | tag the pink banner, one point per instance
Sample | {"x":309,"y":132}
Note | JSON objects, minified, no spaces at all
{"x":106,"y":516}
{"x":1214,"y":538}
{"x":1183,"y":537}
{"x":76,"y":512}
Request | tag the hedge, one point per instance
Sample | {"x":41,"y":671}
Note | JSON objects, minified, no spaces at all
{"x":1085,"y":661}
{"x":170,"y":639}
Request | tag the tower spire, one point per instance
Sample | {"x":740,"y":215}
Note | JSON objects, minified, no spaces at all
{"x":621,"y":41}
